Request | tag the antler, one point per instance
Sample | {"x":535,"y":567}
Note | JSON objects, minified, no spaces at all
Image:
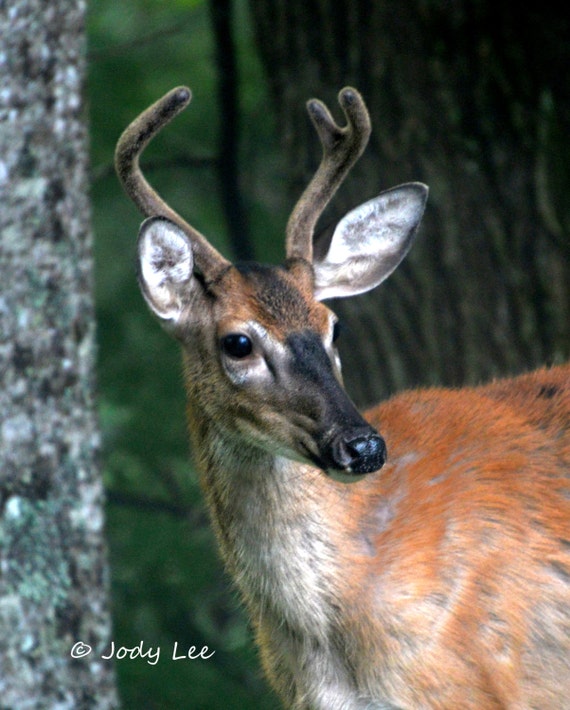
{"x":341,"y":149}
{"x":131,"y":144}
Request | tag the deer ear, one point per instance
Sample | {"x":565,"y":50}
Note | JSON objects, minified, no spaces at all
{"x":165,"y":267}
{"x":370,"y":242}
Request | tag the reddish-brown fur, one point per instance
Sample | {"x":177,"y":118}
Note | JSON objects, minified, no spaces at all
{"x":464,"y":537}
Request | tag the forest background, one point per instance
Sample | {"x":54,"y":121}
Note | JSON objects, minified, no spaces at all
{"x":470,"y":97}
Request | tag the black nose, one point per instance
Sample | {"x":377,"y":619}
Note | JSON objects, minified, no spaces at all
{"x":359,"y":453}
{"x":368,"y":453}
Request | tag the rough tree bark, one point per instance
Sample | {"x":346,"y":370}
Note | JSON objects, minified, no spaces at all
{"x":53,"y":578}
{"x":466,"y":97}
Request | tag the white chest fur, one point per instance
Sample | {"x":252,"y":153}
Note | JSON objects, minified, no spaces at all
{"x":280,"y":552}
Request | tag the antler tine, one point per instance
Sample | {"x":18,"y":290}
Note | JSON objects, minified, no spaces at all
{"x":130,"y":146}
{"x":341,"y":149}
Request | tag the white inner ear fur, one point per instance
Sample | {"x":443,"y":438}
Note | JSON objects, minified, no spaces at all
{"x":370,"y":242}
{"x":165,"y":266}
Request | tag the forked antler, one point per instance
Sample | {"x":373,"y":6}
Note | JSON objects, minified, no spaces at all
{"x":129,"y":148}
{"x":341,"y":149}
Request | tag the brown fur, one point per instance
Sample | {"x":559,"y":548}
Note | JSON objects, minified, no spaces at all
{"x":462,"y":583}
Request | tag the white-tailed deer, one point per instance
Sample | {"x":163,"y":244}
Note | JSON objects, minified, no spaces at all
{"x":440,"y":576}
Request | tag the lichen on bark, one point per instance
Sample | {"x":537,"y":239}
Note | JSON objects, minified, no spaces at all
{"x":53,"y":578}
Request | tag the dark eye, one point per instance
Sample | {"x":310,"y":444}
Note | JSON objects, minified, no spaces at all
{"x":237,"y":345}
{"x":337,"y":330}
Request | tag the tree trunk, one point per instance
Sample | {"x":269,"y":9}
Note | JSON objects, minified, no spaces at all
{"x":53,"y":575}
{"x":467,"y":98}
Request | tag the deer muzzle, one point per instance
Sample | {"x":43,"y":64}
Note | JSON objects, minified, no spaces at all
{"x":348,"y":446}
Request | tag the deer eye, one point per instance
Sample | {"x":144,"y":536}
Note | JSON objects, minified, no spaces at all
{"x":237,"y":345}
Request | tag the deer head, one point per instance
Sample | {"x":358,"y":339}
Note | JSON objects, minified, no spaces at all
{"x":261,"y":365}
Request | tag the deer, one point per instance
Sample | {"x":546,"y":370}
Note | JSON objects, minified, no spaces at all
{"x":416,"y":556}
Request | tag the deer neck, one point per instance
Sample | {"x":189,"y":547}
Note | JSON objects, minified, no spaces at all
{"x":272,"y":523}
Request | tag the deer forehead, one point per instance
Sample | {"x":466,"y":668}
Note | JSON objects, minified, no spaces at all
{"x":273,"y":297}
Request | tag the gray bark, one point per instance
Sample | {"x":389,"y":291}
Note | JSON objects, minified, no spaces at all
{"x":53,"y":575}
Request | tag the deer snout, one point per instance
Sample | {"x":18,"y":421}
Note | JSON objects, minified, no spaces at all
{"x":354,"y":453}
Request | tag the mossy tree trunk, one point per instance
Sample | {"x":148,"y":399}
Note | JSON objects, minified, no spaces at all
{"x":53,"y":576}
{"x":467,"y":97}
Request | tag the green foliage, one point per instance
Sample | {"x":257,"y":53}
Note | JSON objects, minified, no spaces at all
{"x":167,"y":581}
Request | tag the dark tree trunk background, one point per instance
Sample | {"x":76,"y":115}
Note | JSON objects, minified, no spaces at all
{"x":221,"y":12}
{"x":470,"y":98}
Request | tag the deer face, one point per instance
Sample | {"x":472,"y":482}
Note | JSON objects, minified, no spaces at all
{"x":282,"y":380}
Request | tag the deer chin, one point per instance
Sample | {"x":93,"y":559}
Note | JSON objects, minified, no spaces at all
{"x":345,"y":476}
{"x":340,"y":475}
